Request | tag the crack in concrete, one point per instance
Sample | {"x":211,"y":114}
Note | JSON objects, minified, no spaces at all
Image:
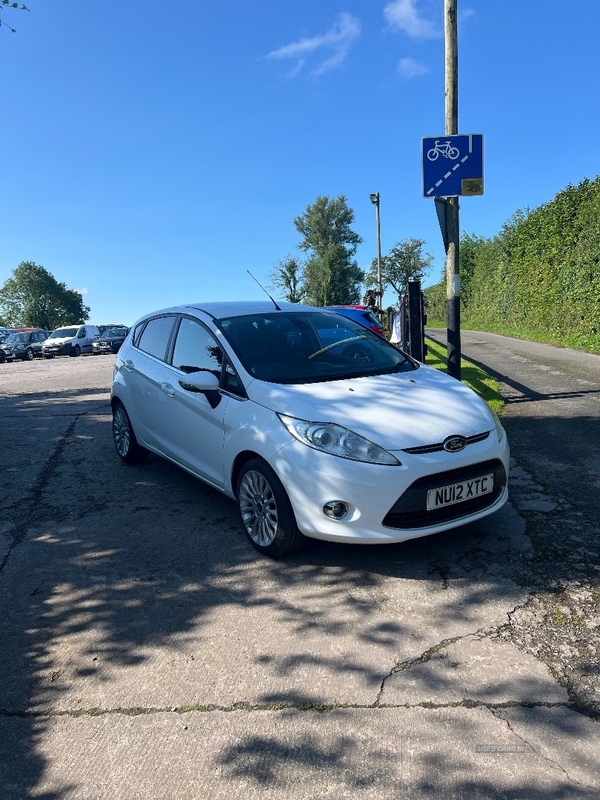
{"x":422,"y":659}
{"x":497,"y":715}
{"x":29,"y":504}
{"x":275,"y":707}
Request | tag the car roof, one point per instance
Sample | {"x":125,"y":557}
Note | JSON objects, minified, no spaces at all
{"x":235,"y":308}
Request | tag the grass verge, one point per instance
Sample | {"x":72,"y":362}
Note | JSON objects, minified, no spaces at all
{"x":474,"y":377}
{"x":588,"y":343}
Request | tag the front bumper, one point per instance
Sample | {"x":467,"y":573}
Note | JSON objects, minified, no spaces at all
{"x":11,"y":354}
{"x":57,"y":350}
{"x":388,"y":504}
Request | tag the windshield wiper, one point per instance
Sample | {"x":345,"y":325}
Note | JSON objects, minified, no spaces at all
{"x":335,"y":344}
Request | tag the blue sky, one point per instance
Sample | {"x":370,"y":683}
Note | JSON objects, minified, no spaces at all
{"x":153,"y":152}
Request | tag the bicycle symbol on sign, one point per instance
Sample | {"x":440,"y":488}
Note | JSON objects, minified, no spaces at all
{"x":446,"y":150}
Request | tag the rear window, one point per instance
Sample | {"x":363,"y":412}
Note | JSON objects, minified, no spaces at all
{"x":371,"y":318}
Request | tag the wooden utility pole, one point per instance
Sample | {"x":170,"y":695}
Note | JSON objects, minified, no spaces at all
{"x":452,"y":223}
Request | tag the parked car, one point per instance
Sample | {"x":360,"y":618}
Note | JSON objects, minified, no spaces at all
{"x":4,"y":332}
{"x":110,"y":341}
{"x":25,"y":344}
{"x":360,"y":314}
{"x":103,"y":328}
{"x":343,"y":438}
{"x":72,"y":340}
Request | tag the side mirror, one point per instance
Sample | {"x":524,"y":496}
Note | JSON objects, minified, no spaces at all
{"x":204,"y":382}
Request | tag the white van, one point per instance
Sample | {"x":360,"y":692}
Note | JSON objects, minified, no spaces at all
{"x":72,"y":340}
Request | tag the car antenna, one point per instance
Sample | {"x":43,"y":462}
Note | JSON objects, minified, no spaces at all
{"x":264,"y":290}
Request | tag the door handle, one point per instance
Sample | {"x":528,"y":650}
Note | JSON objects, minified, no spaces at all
{"x":167,"y":389}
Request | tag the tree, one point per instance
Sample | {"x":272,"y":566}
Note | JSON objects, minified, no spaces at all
{"x":10,"y":4}
{"x":287,"y":280}
{"x":405,"y":262}
{"x":34,"y":298}
{"x":331,"y":275}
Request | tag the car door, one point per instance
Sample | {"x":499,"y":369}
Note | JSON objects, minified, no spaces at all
{"x":192,"y":422}
{"x":142,"y":371}
{"x":38,"y":338}
{"x":84,"y":340}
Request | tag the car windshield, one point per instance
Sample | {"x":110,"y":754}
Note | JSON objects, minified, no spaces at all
{"x":63,"y":333}
{"x":13,"y":338}
{"x":310,"y":347}
{"x":115,"y":332}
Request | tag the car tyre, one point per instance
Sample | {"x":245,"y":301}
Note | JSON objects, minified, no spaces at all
{"x":124,"y":439}
{"x":28,"y":355}
{"x":76,"y":351}
{"x":266,"y":512}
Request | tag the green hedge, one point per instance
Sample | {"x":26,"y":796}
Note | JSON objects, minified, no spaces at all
{"x":539,"y":276}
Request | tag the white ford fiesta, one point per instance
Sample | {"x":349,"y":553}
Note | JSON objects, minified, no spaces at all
{"x":316,"y":426}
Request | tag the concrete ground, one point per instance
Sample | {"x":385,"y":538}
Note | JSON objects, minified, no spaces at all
{"x":147,"y":651}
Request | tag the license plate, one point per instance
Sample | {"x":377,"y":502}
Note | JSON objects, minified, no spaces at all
{"x":460,"y":492}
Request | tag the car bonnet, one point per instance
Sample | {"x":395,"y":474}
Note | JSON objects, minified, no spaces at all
{"x":396,"y":411}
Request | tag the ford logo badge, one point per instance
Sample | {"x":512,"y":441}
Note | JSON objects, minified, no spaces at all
{"x":454,"y":443}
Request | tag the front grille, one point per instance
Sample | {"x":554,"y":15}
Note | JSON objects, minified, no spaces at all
{"x":439,"y":446}
{"x":410,"y":510}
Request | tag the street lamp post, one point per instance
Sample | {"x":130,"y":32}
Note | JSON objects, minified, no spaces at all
{"x":375,"y":200}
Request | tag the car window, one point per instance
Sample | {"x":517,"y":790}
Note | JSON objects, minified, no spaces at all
{"x":63,"y":333}
{"x":232,"y":382}
{"x":309,"y":347}
{"x":371,"y":319}
{"x":137,"y":332}
{"x":196,"y":349}
{"x":155,"y":336}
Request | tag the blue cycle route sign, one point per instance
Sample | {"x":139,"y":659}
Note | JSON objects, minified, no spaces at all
{"x":452,"y":165}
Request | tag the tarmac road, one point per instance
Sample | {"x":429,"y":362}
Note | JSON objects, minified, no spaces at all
{"x":147,"y":651}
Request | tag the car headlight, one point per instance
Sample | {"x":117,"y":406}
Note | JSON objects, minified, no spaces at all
{"x":499,"y":429}
{"x":337,"y":441}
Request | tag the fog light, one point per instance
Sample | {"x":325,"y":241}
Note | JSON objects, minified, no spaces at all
{"x":336,"y":509}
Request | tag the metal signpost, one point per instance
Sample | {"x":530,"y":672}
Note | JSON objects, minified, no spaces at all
{"x":452,"y":168}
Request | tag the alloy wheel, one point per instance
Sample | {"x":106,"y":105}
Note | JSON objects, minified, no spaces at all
{"x":121,"y":431}
{"x":258,"y":508}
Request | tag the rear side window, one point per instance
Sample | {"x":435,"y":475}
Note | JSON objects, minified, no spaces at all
{"x":135,"y":337}
{"x":155,"y":336}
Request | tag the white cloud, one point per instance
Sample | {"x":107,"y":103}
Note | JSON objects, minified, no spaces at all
{"x":338,"y":40}
{"x":403,"y":15}
{"x":82,"y":291}
{"x":409,"y":68}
